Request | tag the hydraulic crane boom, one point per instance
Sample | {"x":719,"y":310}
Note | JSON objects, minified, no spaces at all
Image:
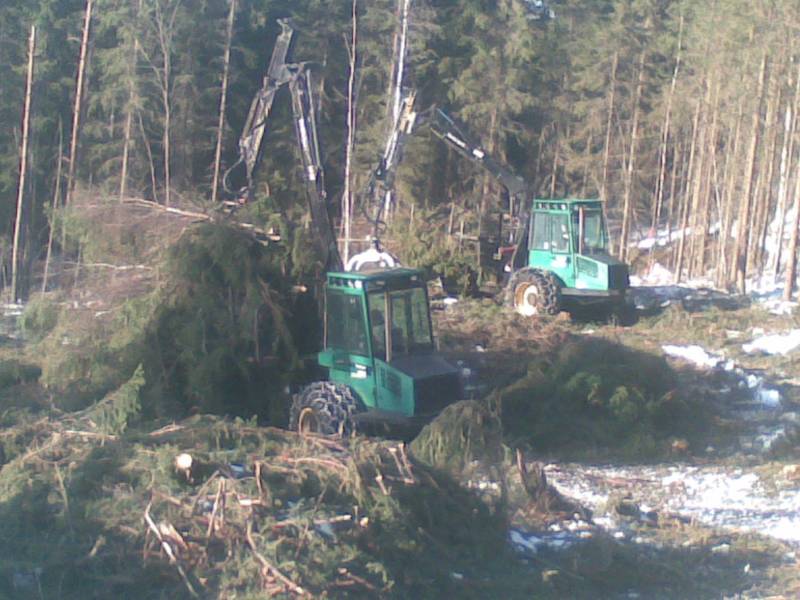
{"x":446,"y":129}
{"x":297,"y":76}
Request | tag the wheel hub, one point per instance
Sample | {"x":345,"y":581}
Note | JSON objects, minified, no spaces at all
{"x":308,"y":422}
{"x":526,"y":299}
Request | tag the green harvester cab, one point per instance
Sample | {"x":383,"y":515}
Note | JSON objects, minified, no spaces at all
{"x":380,"y":355}
{"x":566,"y":259}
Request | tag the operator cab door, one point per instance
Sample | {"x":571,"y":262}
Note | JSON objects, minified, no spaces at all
{"x":401,"y":334}
{"x":551,"y":249}
{"x":347,"y":353}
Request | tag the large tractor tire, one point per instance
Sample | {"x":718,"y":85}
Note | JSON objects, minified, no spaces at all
{"x":326,"y":408}
{"x":532,"y":292}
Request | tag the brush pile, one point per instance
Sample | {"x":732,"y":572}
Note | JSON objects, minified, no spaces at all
{"x":217,"y":508}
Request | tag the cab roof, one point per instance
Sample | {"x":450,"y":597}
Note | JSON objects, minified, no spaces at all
{"x":398,"y":274}
{"x":565,"y":203}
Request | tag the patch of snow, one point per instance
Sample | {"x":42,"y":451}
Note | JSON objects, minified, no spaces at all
{"x":655,"y":275}
{"x":712,"y":495}
{"x":769,"y":398}
{"x":695,"y":355}
{"x":780,"y":343}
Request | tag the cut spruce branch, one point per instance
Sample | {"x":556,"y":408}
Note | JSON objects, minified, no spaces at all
{"x":260,"y":234}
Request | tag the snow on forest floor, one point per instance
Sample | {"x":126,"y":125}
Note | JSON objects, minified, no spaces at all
{"x":737,"y":489}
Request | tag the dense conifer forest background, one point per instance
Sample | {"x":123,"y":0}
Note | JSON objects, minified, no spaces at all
{"x":681,"y":115}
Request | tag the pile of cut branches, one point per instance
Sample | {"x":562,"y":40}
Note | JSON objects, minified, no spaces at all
{"x":218,"y":508}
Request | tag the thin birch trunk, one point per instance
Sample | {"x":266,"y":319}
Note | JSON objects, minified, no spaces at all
{"x":747,"y":197}
{"x":150,"y":160}
{"x":791,"y":258}
{"x":609,"y":122}
{"x":707,"y":168}
{"x":76,"y":113}
{"x":23,"y":166}
{"x":666,"y":131}
{"x":54,"y":207}
{"x":627,"y":209}
{"x":165,"y":41}
{"x":686,"y":210}
{"x":787,"y":154}
{"x":127,"y":136}
{"x":226,"y":62}
{"x":759,"y":232}
{"x":696,"y":180}
{"x":347,"y":196}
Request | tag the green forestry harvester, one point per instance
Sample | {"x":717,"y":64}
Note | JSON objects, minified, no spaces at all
{"x":378,"y":343}
{"x":558,"y":247}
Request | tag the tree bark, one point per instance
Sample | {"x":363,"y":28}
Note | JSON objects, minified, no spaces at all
{"x":226,"y":62}
{"x":76,"y":113}
{"x":665,"y":132}
{"x":686,"y":200}
{"x":126,"y":144}
{"x":627,"y":209}
{"x":609,"y":120}
{"x":787,"y":154}
{"x":54,"y":206}
{"x":347,"y":195}
{"x":791,"y":253}
{"x":747,"y":197}
{"x":23,"y":167}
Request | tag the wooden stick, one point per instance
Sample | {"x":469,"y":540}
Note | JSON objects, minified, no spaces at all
{"x":168,"y":550}
{"x":267,"y":568}
{"x":212,"y":519}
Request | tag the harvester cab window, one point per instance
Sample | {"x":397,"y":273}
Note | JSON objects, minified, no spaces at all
{"x":550,"y":231}
{"x":345,"y":323}
{"x":594,"y":232}
{"x":411,"y":328}
{"x":377,"y":322}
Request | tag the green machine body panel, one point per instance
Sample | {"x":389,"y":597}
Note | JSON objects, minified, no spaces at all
{"x":379,"y":341}
{"x":568,"y":238}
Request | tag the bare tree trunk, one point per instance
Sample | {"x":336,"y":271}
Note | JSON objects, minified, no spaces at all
{"x":226,"y":63}
{"x":165,"y":41}
{"x":54,"y":206}
{"x":347,"y":195}
{"x":627,"y":209}
{"x":787,"y":154}
{"x":705,"y":172}
{"x":665,"y":132}
{"x":791,"y":258}
{"x":725,"y":257}
{"x":696,"y":179}
{"x":747,"y":197}
{"x":586,"y":163}
{"x":23,"y":166}
{"x":607,"y":147}
{"x":686,"y":201}
{"x":126,"y":144}
{"x":150,"y":161}
{"x":765,"y":185}
{"x":76,"y":113}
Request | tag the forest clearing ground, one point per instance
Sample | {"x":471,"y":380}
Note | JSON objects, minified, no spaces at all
{"x":730,"y":497}
{"x":638,"y":543}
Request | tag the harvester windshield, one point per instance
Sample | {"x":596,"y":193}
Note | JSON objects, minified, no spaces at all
{"x":399,"y":322}
{"x":593,"y":232}
{"x":344,"y":325}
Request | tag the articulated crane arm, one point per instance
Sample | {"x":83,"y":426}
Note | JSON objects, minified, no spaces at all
{"x":518,"y":189}
{"x":380,"y":186}
{"x":446,"y":129}
{"x":298,"y":78}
